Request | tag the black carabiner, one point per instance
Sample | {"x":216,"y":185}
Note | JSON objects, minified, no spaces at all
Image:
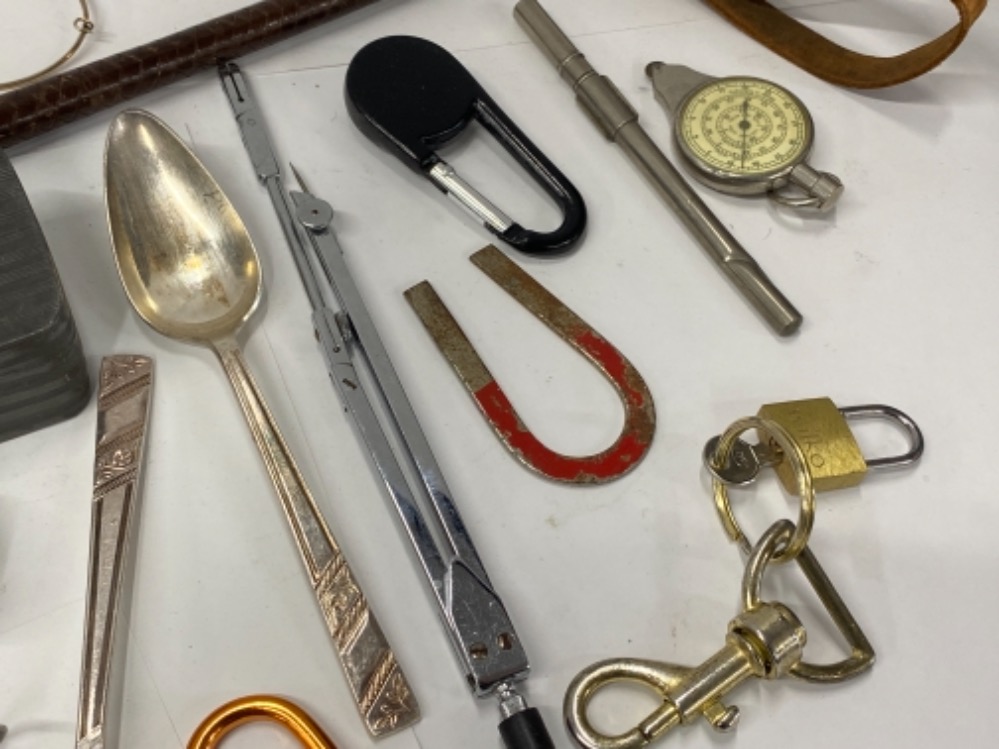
{"x":412,"y":96}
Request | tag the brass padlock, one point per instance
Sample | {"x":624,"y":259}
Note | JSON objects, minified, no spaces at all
{"x":821,"y":430}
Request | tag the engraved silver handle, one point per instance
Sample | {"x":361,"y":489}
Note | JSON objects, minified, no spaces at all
{"x":381,"y":692}
{"x":122,"y":413}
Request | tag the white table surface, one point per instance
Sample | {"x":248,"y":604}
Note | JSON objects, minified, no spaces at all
{"x":898,"y":288}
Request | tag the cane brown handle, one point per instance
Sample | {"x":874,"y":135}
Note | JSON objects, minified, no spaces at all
{"x":44,"y":106}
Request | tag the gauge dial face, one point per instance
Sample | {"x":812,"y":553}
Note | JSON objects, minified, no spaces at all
{"x":744,"y":127}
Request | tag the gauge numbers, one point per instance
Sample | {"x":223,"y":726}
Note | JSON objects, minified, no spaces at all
{"x":744,"y":127}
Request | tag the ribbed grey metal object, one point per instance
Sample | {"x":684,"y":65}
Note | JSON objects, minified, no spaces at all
{"x":43,"y":375}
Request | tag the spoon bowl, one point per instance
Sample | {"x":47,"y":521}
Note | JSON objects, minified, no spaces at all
{"x":183,"y":253}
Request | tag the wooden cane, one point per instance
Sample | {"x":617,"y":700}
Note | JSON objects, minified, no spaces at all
{"x":53,"y":102}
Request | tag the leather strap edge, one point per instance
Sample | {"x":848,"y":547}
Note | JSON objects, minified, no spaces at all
{"x":834,"y":63}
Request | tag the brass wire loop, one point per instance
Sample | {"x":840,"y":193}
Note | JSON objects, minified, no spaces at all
{"x":799,"y":465}
{"x":84,"y":26}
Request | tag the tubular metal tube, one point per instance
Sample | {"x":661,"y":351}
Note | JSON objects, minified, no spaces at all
{"x":618,"y":121}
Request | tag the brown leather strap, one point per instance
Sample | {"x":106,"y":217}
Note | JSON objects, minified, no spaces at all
{"x":61,"y":99}
{"x":810,"y":50}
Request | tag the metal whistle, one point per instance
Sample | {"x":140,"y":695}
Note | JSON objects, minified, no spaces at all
{"x":618,"y":121}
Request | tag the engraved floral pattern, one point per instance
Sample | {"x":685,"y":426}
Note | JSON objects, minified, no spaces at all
{"x":339,"y":597}
{"x":397,"y":704}
{"x":115,"y":464}
{"x":118,"y":368}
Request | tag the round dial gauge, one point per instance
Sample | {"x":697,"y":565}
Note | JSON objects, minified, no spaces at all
{"x":742,"y":134}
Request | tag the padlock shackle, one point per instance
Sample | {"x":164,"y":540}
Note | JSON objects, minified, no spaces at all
{"x":889,"y":413}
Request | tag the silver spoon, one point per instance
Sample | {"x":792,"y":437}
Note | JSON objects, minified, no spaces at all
{"x":190,"y":270}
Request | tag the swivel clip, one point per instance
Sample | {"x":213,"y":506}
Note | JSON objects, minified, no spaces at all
{"x":766,"y":640}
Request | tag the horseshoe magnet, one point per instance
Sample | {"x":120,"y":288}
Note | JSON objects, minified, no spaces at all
{"x":640,"y":416}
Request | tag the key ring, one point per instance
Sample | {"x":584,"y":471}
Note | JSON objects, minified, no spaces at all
{"x":232,"y":715}
{"x":799,"y":465}
{"x":83,"y":25}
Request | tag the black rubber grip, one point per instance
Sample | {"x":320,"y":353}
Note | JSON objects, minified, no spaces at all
{"x":526,"y":730}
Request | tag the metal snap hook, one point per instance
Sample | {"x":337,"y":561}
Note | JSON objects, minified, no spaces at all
{"x":232,"y":715}
{"x":657,"y":676}
{"x":766,"y":640}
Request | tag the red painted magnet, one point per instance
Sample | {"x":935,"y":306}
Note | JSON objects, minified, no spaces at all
{"x":640,"y":415}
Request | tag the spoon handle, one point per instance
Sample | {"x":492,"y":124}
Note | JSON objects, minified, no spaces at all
{"x":123,"y":402}
{"x":376,"y":680}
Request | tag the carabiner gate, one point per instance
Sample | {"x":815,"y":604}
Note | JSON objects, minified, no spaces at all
{"x":411,"y":96}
